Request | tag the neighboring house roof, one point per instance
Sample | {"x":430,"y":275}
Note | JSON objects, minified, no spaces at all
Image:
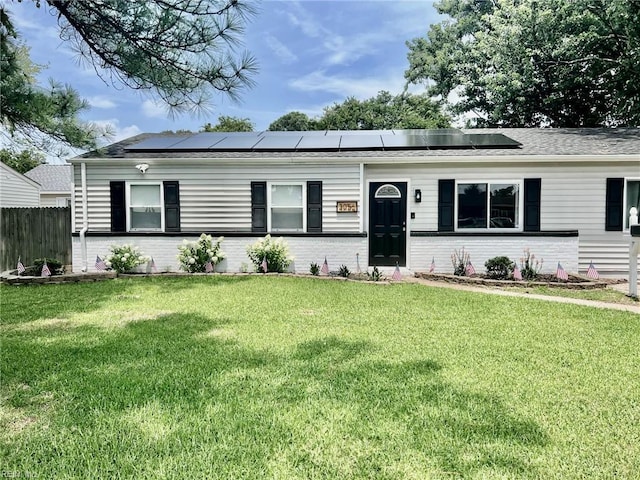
{"x":534,"y":142}
{"x":52,"y":178}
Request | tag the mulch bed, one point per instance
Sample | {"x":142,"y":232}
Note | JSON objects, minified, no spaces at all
{"x":544,"y":280}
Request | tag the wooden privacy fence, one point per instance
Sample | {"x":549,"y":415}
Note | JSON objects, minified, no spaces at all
{"x":31,"y":233}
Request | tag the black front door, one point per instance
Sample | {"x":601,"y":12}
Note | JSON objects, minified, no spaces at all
{"x":387,"y":223}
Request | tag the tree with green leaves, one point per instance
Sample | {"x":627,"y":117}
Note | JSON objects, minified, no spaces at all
{"x":525,"y":63}
{"x":229,"y":124}
{"x":293,"y":122}
{"x":22,"y":161}
{"x":40,"y":115}
{"x":384,"y":111}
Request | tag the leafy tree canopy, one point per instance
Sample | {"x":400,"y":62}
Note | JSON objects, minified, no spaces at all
{"x":293,"y":122}
{"x":229,"y":124}
{"x":22,"y":161}
{"x":38,"y":115}
{"x":525,"y":63}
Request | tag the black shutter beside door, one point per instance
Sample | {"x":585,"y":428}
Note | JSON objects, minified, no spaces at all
{"x":258,"y":206}
{"x":118,"y":207}
{"x":446,"y":201}
{"x":614,"y":216}
{"x":532,"y":190}
{"x":171,"y":206}
{"x":314,"y":206}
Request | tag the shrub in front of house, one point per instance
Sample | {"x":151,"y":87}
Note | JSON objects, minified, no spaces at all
{"x":125,"y":258}
{"x":499,"y":268}
{"x":314,"y":269}
{"x":530,"y":267}
{"x":275,"y":252}
{"x":55,"y":267}
{"x":195,"y":255}
{"x":460,"y":259}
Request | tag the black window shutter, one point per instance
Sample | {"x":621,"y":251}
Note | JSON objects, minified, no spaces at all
{"x":446,"y":199}
{"x":314,"y":206}
{"x":171,"y":206}
{"x":118,"y":207}
{"x":258,"y":206}
{"x":614,"y":216}
{"x":532,"y":189}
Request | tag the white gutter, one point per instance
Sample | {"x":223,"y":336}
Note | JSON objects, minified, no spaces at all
{"x":362,"y":185}
{"x":85,"y":216}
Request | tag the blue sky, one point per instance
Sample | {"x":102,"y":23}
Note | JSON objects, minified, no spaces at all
{"x":310,"y":53}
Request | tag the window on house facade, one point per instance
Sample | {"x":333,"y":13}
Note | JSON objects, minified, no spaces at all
{"x":489,"y":205}
{"x":286,"y":207}
{"x":632,"y":198}
{"x":145,"y":207}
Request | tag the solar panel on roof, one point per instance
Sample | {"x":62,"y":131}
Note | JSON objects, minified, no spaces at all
{"x":311,"y":142}
{"x":200,"y":141}
{"x":403,"y":141}
{"x":156,"y":143}
{"x":237,"y":142}
{"x":492,"y":140}
{"x":268,"y":133}
{"x":361,"y":142}
{"x":450,"y":141}
{"x":278,"y":143}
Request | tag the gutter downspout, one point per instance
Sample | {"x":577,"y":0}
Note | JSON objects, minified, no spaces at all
{"x":85,"y":217}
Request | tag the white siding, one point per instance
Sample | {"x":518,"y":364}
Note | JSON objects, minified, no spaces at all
{"x":218,"y":198}
{"x":17,"y":190}
{"x":572,"y":198}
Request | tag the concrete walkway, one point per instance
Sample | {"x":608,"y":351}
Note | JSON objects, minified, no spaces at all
{"x":623,"y":287}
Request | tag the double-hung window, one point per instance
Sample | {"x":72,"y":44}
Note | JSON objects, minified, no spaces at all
{"x":489,"y":206}
{"x":145,"y":207}
{"x":286,"y":207}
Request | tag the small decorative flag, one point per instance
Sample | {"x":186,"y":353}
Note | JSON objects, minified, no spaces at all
{"x":264,"y":265}
{"x":470,"y":270}
{"x":432,"y":267}
{"x":396,"y":273}
{"x":561,"y":273}
{"x":592,"y":272}
{"x":100,"y":265}
{"x":517,"y":275}
{"x":208,"y":267}
{"x":45,"y":271}
{"x":154,"y":269}
{"x":21,"y":268}
{"x":325,"y":267}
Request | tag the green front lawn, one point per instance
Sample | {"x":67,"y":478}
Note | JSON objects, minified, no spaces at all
{"x":284,"y":378}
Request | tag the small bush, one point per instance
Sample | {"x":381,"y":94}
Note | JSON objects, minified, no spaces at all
{"x":124,"y":258}
{"x":194,"y":256}
{"x":530,"y":267}
{"x":276,"y":252}
{"x":314,"y":269}
{"x":55,"y":266}
{"x":344,"y":271}
{"x":459,"y":260}
{"x":375,"y":275}
{"x":499,"y":268}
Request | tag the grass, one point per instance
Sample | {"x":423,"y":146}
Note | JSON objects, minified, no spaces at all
{"x":274,"y":377}
{"x":608,"y":295}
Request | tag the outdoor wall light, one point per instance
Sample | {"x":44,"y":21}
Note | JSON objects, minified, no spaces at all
{"x":142,"y":167}
{"x":417,"y":195}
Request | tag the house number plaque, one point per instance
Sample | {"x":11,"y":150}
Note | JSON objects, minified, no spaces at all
{"x":347,"y":207}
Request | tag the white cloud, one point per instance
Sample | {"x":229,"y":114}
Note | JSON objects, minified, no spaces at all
{"x":100,"y":101}
{"x":281,"y":50}
{"x":346,"y":86}
{"x":119,"y":133}
{"x":153,"y":109}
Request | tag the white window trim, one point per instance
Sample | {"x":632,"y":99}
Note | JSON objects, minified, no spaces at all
{"x":304,"y":206}
{"x":128,"y":207}
{"x":520,"y":184}
{"x":625,"y":206}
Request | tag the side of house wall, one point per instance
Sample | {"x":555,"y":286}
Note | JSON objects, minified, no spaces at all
{"x":16,"y":190}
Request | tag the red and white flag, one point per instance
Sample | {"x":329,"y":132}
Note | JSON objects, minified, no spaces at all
{"x":100,"y":265}
{"x":592,"y":272}
{"x":208,"y":267}
{"x":154,"y":269}
{"x":517,"y":275}
{"x":264,"y":265}
{"x":45,"y":271}
{"x":432,"y":268}
{"x":561,"y":273}
{"x":21,"y":268}
{"x":325,"y":267}
{"x":470,"y":270}
{"x":396,"y":273}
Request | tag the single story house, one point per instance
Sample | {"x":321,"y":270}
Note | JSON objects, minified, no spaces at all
{"x":366,"y":198}
{"x":55,"y":184}
{"x":16,"y":190}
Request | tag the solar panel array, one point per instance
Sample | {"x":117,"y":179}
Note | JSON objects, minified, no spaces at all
{"x":324,"y":141}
